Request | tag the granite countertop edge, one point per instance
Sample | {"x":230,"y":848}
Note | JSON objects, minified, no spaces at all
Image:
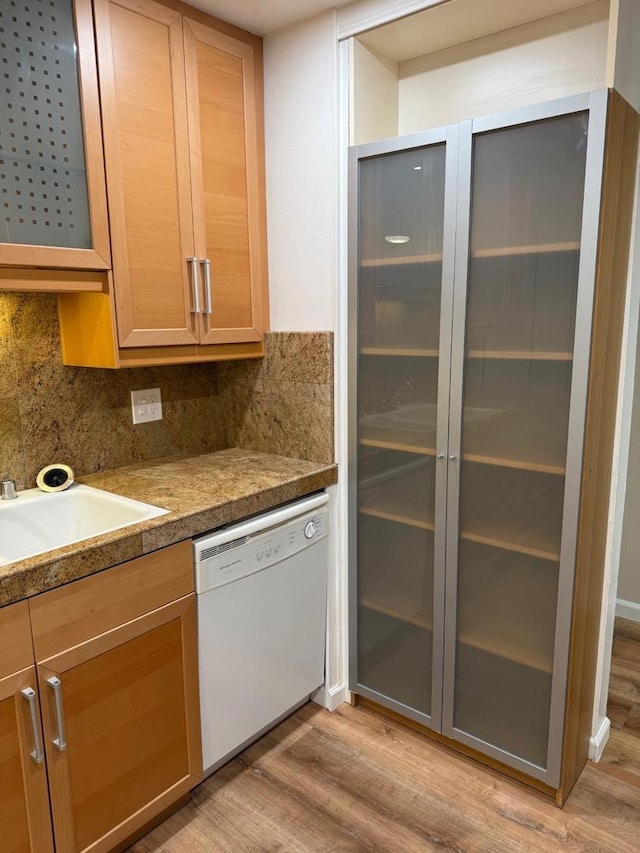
{"x":201,"y":493}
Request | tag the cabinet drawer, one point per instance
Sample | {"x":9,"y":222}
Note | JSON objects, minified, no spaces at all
{"x":83,"y":609}
{"x":16,"y":652}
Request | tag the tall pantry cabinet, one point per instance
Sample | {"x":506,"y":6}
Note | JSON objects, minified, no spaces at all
{"x":488,"y":278}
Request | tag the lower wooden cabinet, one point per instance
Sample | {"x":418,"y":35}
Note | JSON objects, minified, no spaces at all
{"x":117,"y":680}
{"x":25,"y":822}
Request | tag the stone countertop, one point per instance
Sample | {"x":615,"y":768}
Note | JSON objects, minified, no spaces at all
{"x":200,"y":492}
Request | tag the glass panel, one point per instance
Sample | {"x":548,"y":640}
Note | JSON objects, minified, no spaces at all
{"x":43,"y":182}
{"x":526,"y":220}
{"x":399,"y":289}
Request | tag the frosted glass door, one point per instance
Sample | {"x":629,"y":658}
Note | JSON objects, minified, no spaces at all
{"x":401,"y":215}
{"x":526,"y":217}
{"x":49,"y":131}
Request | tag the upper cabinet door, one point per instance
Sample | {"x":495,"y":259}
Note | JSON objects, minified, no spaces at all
{"x":224,"y":86}
{"x":53,"y":211}
{"x":141,"y":62}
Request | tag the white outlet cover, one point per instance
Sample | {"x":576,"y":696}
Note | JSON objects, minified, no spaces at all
{"x":146,"y":405}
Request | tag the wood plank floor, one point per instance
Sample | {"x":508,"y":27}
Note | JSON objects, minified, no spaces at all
{"x":353,"y":781}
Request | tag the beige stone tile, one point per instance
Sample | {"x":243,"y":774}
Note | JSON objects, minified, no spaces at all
{"x":8,"y":378}
{"x":11,"y":447}
{"x":33,"y":315}
{"x":290,"y":419}
{"x":300,"y":356}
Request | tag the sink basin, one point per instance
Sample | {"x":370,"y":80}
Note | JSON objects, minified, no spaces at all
{"x":36,"y":522}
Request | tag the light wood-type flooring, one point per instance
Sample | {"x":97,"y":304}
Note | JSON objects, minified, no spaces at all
{"x":354,"y":781}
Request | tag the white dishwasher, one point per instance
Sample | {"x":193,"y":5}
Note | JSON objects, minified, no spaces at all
{"x":261,"y":591}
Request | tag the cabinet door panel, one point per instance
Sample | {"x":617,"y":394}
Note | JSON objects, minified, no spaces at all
{"x":25,"y":825}
{"x":402,"y":304}
{"x":130,"y":710}
{"x":141,"y":62}
{"x":54,"y":201}
{"x":511,"y":411}
{"x":223,"y":91}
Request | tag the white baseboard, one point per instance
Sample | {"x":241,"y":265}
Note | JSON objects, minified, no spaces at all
{"x":628,"y":610}
{"x":598,"y":741}
{"x":332,"y":698}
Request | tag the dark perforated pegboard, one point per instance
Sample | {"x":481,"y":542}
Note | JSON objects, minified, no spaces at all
{"x":43,"y":190}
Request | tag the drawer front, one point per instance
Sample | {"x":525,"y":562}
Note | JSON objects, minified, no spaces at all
{"x":16,"y":651}
{"x":72,"y":614}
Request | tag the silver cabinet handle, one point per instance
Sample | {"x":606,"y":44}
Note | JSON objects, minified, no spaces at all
{"x":193,"y":262}
{"x":453,"y":457}
{"x":56,"y":685}
{"x":440,"y":455}
{"x":37,"y":754}
{"x":206,"y":263}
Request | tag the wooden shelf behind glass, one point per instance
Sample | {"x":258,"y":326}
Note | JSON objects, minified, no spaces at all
{"x":492,"y":541}
{"x":401,"y":440}
{"x":535,"y":249}
{"x":401,"y":260}
{"x":505,"y":355}
{"x":492,"y":252}
{"x":524,"y":649}
{"x":405,"y":442}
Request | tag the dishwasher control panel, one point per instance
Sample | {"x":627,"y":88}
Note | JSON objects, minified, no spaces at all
{"x":218,"y":563}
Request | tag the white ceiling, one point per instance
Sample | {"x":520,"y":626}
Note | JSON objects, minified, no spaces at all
{"x":264,"y":16}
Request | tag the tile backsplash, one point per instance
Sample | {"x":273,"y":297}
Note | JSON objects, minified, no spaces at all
{"x":82,"y":416}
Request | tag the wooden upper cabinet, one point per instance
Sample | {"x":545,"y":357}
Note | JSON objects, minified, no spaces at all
{"x":53,"y":211}
{"x":184,"y":157}
{"x":141,"y":59}
{"x":223,"y":81}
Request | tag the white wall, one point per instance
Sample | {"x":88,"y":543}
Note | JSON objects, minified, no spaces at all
{"x":301,"y":114}
{"x":624,"y":60}
{"x":374,"y":103}
{"x":303,"y":214}
{"x":623,"y":471}
{"x":552,"y":58}
{"x":629,"y":572}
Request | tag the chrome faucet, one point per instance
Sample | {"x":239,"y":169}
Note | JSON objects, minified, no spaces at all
{"x":391,"y":402}
{"x":7,"y":488}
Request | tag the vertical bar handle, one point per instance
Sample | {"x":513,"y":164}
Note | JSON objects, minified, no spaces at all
{"x":206,"y":263}
{"x":193,"y":263}
{"x":55,"y":684}
{"x":37,"y":753}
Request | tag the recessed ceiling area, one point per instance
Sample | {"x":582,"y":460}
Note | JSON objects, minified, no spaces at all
{"x":264,"y":16}
{"x":460,"y":21}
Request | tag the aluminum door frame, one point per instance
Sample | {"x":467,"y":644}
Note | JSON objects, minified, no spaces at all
{"x":596,"y":104}
{"x":448,"y":136}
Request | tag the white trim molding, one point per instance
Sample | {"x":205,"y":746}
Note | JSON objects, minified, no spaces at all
{"x":374,"y":13}
{"x":598,"y":741}
{"x":628,"y":610}
{"x":333,"y":698}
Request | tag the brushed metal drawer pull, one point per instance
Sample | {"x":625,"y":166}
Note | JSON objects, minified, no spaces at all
{"x":193,"y":262}
{"x":37,"y":753}
{"x":206,"y":263}
{"x":55,"y":684}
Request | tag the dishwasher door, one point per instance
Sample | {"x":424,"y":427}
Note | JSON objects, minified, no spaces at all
{"x":261,"y":623}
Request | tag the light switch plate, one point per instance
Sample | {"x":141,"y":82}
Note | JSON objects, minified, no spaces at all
{"x":146,"y":405}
